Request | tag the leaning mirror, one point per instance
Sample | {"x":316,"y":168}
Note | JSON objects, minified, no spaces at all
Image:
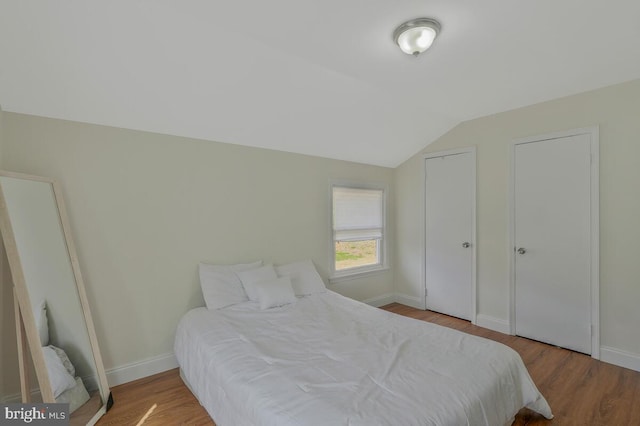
{"x":53,"y":313}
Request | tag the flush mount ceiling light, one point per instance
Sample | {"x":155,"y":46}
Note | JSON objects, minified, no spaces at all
{"x":415,"y":36}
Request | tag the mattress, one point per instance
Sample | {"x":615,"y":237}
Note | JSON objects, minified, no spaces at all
{"x":329,"y":360}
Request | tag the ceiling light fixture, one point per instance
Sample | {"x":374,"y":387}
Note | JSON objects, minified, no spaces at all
{"x":415,"y":36}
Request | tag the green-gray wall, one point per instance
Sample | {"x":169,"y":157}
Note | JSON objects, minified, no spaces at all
{"x":616,"y":110}
{"x":145,"y":208}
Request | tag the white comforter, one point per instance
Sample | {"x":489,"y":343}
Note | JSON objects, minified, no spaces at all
{"x":329,"y":360}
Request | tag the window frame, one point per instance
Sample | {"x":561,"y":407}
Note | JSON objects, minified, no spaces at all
{"x":358,"y":271}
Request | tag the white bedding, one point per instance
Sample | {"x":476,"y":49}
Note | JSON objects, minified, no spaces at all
{"x":329,"y":360}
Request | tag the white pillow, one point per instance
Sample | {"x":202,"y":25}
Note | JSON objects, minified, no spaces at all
{"x":251,"y":277}
{"x":221,"y":286}
{"x":40,"y":314}
{"x":76,"y":397}
{"x":275,"y":292}
{"x":59,"y":377}
{"x":64,"y":359}
{"x":304,"y":277}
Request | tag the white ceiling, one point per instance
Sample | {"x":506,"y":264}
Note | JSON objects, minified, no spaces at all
{"x":318,"y":77}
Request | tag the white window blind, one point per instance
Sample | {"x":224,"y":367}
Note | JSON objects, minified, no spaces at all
{"x":357,"y":214}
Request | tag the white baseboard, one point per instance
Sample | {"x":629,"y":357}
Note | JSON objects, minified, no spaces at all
{"x":119,"y":375}
{"x":413,"y":301}
{"x":17,"y":398}
{"x":492,"y":323}
{"x":620,"y":358}
{"x":139,"y":369}
{"x":158,"y":364}
{"x":11,"y":399}
{"x":90,"y":383}
{"x":378,"y":301}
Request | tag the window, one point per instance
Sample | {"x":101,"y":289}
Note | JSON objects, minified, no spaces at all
{"x":358,"y":228}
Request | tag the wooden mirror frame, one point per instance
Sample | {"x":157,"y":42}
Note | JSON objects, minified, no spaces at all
{"x":25,"y":318}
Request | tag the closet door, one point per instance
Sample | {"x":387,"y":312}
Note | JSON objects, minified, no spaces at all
{"x":449,"y":238}
{"x":553,"y":241}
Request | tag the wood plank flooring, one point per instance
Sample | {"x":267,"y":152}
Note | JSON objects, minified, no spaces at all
{"x":580,"y":390}
{"x":161,"y":399}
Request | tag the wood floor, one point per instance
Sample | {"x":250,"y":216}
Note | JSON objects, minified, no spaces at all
{"x":580,"y":390}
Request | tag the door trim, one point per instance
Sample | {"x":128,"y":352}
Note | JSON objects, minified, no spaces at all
{"x":425,"y":157}
{"x":594,"y":133}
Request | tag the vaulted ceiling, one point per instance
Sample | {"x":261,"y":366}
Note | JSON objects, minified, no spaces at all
{"x":318,"y":77}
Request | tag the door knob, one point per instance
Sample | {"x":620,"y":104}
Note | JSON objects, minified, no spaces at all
{"x":521,"y":250}
{"x":466,"y":244}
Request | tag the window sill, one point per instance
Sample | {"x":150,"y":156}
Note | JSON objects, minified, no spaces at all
{"x":357,"y":274}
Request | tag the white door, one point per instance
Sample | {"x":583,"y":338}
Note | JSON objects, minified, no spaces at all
{"x":552,"y":236}
{"x":449,"y":239}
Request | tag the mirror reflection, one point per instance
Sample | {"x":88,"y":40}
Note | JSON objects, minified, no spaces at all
{"x":40,"y":247}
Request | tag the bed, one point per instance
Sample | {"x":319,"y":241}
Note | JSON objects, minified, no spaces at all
{"x":329,"y":360}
